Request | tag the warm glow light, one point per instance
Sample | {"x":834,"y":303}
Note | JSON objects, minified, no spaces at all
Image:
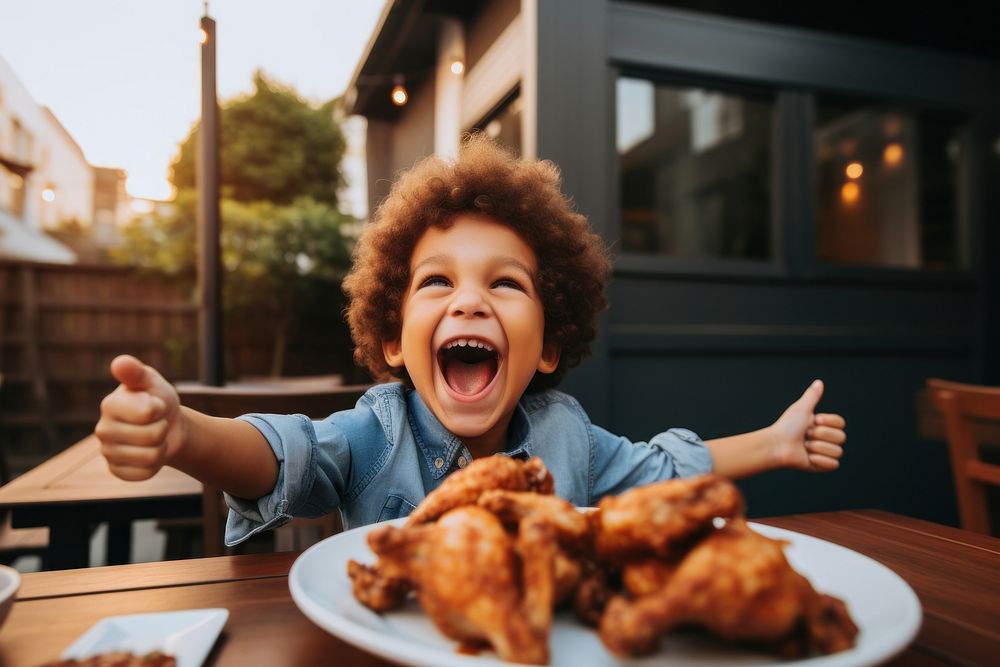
{"x":399,"y":95}
{"x":48,"y":194}
{"x":204,"y":36}
{"x":457,"y":67}
{"x":854,"y":170}
{"x":892,"y":155}
{"x":850,"y":192}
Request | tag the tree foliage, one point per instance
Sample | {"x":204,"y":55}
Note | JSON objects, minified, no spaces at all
{"x":273,"y":146}
{"x":282,"y":238}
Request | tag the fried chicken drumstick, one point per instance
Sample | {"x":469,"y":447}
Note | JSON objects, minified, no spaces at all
{"x":478,"y":583}
{"x":493,"y":472}
{"x":651,"y":520}
{"x":734,"y":582}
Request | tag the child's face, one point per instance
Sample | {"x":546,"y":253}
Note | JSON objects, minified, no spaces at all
{"x":473,"y":327}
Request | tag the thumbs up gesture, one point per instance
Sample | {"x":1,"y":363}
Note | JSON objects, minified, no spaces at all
{"x":141,"y":427}
{"x":806,"y":439}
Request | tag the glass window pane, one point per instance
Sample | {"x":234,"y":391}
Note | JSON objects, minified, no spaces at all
{"x":887,"y":185}
{"x":695,"y":170}
{"x":504,"y":124}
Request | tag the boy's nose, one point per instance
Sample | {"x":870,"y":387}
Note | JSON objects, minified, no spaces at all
{"x":469,"y":303}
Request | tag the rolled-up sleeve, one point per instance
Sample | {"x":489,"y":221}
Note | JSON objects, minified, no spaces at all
{"x":309,"y":475}
{"x":620,"y":464}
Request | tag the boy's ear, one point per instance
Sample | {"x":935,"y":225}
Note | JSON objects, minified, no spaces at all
{"x":550,"y":358}
{"x":393,"y":352}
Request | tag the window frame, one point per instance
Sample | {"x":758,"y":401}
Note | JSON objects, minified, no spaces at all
{"x":800,"y":64}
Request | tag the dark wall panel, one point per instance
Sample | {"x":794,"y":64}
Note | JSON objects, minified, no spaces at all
{"x":886,"y":464}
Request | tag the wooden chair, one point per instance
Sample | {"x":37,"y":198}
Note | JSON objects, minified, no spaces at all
{"x":17,"y":542}
{"x":313,"y":397}
{"x":966,"y":409}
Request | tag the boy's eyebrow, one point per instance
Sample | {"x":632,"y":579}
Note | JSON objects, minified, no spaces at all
{"x":505,"y":260}
{"x":510,"y":261}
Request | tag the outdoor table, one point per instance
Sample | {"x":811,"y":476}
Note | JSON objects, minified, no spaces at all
{"x":74,"y":490}
{"x":953,"y":572}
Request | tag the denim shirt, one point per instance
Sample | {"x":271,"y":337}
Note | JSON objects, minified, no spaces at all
{"x":378,"y":461}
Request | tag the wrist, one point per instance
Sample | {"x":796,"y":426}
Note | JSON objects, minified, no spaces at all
{"x":777,"y":457}
{"x":179,"y":437}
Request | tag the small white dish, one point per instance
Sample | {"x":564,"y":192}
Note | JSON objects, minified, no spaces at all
{"x":10,"y":581}
{"x":186,"y":635}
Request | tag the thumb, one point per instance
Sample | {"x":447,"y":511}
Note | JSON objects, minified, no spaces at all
{"x":810,"y":397}
{"x":132,"y":373}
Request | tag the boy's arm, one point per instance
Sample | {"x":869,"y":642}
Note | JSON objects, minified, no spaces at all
{"x":143,"y":427}
{"x":800,"y":438}
{"x":228,"y":454}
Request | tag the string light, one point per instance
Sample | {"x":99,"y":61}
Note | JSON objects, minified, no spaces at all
{"x":850,"y":192}
{"x":892,"y":155}
{"x":854,"y":170}
{"x":399,"y":94}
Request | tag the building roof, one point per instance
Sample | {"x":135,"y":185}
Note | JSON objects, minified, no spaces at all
{"x":19,"y":241}
{"x":404,"y":42}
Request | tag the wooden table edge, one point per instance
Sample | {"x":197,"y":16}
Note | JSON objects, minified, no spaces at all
{"x":162,"y":574}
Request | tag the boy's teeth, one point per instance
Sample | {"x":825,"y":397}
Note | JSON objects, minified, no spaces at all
{"x":466,"y":342}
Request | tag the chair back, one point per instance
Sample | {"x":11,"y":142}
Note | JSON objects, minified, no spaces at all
{"x":967,"y":409}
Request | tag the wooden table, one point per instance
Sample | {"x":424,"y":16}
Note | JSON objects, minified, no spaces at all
{"x":956,"y":575}
{"x":74,"y":490}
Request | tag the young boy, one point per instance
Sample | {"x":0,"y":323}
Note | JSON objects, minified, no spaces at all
{"x":477,"y":287}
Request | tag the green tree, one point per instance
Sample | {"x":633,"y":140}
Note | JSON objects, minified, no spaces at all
{"x":282,"y":239}
{"x":273,"y":146}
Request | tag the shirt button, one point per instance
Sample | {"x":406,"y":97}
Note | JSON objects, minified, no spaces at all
{"x":438,"y":462}
{"x":462,"y":462}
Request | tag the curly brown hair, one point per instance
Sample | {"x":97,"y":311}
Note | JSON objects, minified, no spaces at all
{"x":486,"y":180}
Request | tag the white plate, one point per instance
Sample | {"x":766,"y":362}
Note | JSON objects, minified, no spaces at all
{"x":881,"y":603}
{"x":187,"y":635}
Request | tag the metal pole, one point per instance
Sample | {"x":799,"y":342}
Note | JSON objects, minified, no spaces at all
{"x":210,"y":369}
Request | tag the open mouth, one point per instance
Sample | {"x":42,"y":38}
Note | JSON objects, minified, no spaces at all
{"x":468,"y":365}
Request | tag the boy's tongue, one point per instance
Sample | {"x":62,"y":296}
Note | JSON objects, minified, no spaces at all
{"x":467,"y":378}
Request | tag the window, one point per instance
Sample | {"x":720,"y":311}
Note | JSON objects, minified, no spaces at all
{"x":887,"y":184}
{"x":503,"y":125}
{"x":694,"y":169}
{"x":21,"y":142}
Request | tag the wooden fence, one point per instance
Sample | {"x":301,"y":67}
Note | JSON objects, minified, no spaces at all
{"x":61,"y":325}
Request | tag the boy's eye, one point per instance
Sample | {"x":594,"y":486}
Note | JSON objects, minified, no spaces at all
{"x":435,"y":281}
{"x":508,"y":283}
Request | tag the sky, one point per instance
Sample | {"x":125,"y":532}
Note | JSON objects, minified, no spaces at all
{"x":123,"y":76}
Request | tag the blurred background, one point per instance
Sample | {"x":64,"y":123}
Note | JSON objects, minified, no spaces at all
{"x":790,"y":192}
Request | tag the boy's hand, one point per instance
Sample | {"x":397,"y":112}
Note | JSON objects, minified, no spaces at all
{"x":141,"y":427}
{"x":807,"y":440}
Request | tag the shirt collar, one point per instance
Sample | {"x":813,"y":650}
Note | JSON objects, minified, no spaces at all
{"x":440,"y":447}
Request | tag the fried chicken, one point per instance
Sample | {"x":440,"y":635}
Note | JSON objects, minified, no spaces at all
{"x":374,"y":588}
{"x":491,"y":552}
{"x":651,"y":520}
{"x":737,"y":584}
{"x":476,"y":581}
{"x":493,"y":472}
{"x":570,"y":527}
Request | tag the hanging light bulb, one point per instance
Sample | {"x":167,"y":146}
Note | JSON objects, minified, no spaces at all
{"x":457,"y":66}
{"x":399,"y":95}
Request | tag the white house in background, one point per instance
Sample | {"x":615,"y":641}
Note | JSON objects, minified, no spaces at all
{"x":65,"y":178}
{"x":44,"y":177}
